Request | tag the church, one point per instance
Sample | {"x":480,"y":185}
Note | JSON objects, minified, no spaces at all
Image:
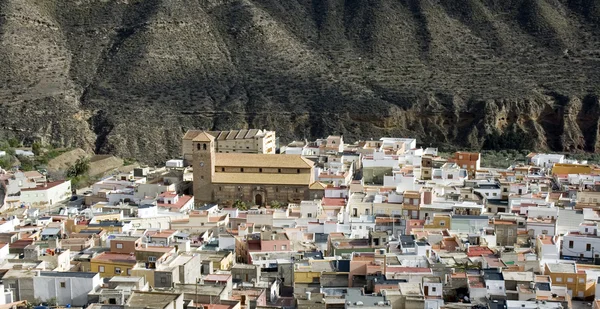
{"x":256,"y":179}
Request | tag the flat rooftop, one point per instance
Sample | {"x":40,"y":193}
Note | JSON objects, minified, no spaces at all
{"x":62,"y":274}
{"x":568,"y":268}
{"x":151,"y":300}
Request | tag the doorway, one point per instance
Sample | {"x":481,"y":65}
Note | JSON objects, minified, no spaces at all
{"x":258,"y":200}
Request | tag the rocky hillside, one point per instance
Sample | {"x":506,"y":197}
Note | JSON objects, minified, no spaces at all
{"x":128,"y":77}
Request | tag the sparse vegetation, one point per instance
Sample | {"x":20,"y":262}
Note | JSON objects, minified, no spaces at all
{"x":275,"y":204}
{"x":78,"y":173}
{"x":241,"y":205}
{"x":420,"y":75}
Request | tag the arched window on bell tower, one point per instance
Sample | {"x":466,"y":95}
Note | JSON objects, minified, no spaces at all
{"x":197,"y":146}
{"x":203,"y":146}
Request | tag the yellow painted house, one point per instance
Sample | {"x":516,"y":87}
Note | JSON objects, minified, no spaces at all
{"x":310,"y":271}
{"x":110,"y":264}
{"x":438,"y":221}
{"x":566,"y":168}
{"x":574,"y":279}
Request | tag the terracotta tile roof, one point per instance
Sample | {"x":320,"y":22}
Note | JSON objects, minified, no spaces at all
{"x":168,"y":194}
{"x":46,"y":186}
{"x":317,"y":185}
{"x":261,"y":160}
{"x":479,"y":251}
{"x":476,"y":282}
{"x":329,"y":201}
{"x":184,"y":199}
{"x":115,"y":257}
{"x":262,"y":178}
{"x":203,"y":137}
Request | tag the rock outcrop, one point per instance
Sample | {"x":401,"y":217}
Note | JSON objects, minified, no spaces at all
{"x":128,"y":77}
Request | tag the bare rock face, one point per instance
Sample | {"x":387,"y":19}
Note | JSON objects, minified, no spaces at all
{"x":129,"y":77}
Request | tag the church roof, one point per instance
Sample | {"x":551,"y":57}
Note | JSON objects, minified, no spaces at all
{"x":261,"y":160}
{"x":203,"y":137}
{"x":222,"y":135}
{"x":317,"y":185}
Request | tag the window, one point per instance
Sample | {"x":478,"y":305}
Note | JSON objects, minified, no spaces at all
{"x":581,"y":280}
{"x":545,"y":232}
{"x":197,"y":146}
{"x":151,"y":259}
{"x":487,"y":194}
{"x":222,"y":169}
{"x":570,"y":280}
{"x":309,"y":215}
{"x":274,"y":247}
{"x":128,"y":271}
{"x":63,"y":284}
{"x":242,"y":169}
{"x":120,"y":246}
{"x":570,"y":244}
{"x":203,"y":146}
{"x":450,"y":176}
{"x":495,"y":194}
{"x":283,"y":247}
{"x":588,"y":247}
{"x":260,"y":170}
{"x":117,"y":270}
{"x":433,"y":289}
{"x":220,"y":189}
{"x":298,"y":171}
{"x":558,"y":279}
{"x":278,"y":170}
{"x":442,"y":223}
{"x":100,"y":269}
{"x":505,"y":190}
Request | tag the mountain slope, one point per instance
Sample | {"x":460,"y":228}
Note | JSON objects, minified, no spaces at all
{"x":130,"y":76}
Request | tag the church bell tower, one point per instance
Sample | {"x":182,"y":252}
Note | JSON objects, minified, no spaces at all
{"x":203,"y":163}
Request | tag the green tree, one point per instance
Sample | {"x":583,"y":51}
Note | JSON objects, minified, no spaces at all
{"x":36,"y":148}
{"x":13,"y":142}
{"x":275,"y":204}
{"x":239,"y":204}
{"x":80,"y":168}
{"x":27,"y":164}
{"x":7,"y":161}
